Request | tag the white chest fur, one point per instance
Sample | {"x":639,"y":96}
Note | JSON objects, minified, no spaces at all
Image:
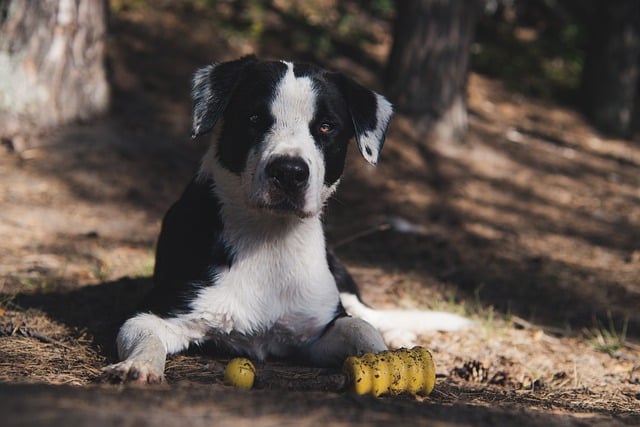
{"x":278,"y":291}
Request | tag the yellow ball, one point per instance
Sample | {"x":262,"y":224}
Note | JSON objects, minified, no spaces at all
{"x":240,"y":373}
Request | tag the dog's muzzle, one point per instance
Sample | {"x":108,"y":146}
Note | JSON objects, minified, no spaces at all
{"x":287,"y":182}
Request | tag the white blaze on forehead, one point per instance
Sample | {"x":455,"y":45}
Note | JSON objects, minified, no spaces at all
{"x":294,"y":102}
{"x":293,"y":109}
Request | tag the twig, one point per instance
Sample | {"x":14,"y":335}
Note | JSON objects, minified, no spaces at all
{"x":380,"y":227}
{"x":518,"y":321}
{"x":15,"y":330}
{"x":631,"y":346}
{"x":48,"y":340}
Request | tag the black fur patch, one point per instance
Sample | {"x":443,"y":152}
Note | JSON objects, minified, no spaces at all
{"x":190,"y":248}
{"x":211,"y":90}
{"x":344,"y":280}
{"x":247,"y":117}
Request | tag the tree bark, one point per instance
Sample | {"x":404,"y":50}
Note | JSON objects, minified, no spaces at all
{"x":427,"y":68}
{"x":612,"y":66}
{"x":51,"y":63}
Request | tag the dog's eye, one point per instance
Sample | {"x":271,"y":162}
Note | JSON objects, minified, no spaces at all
{"x":325,"y":128}
{"x":254,"y":119}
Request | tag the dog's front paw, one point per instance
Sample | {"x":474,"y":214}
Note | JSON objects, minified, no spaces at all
{"x":135,"y":371}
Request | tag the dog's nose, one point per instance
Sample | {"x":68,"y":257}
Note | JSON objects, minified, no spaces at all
{"x":289,"y":173}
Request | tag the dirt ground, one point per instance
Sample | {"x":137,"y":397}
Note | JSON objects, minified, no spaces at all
{"x":531,"y":227}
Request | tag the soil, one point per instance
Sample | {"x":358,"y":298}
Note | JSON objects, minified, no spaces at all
{"x":531,"y":227}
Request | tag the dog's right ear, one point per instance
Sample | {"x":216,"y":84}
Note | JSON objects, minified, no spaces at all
{"x":211,"y":89}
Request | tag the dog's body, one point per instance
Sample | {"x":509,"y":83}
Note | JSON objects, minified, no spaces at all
{"x":241,"y":259}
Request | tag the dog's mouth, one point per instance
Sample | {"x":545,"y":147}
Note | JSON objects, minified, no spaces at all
{"x":283,"y":204}
{"x":286,"y":209}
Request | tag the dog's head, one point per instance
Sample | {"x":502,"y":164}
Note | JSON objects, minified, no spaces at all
{"x":281,"y":131}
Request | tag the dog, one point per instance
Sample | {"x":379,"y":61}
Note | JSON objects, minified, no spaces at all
{"x":241,"y":260}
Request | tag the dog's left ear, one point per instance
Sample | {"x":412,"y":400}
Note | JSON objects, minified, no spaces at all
{"x":370,"y":113}
{"x":211,"y":89}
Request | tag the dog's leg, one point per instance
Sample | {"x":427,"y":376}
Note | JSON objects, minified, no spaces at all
{"x":347,"y":336}
{"x":143,"y":344}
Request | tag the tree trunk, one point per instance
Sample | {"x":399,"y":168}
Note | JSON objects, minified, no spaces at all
{"x":612,"y":66}
{"x":51,"y":63}
{"x":427,"y":68}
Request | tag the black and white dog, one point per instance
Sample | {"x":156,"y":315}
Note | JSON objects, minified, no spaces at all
{"x":241,"y":259}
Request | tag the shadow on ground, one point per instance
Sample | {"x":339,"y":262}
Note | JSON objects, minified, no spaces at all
{"x":94,"y":310}
{"x":39,"y":405}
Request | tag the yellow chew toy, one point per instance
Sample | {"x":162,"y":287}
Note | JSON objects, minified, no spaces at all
{"x":240,"y":373}
{"x":392,"y":372}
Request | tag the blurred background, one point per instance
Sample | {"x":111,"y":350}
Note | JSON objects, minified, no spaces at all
{"x":581,"y":53}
